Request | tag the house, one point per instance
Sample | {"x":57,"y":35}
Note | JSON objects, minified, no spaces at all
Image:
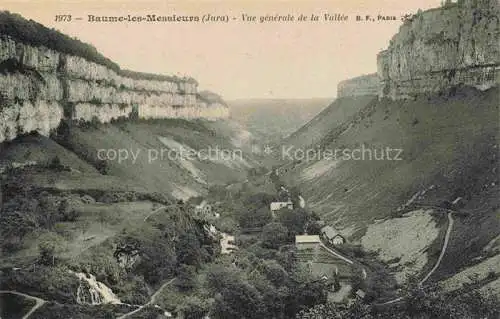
{"x":332,"y":236}
{"x":227,"y":244}
{"x":276,"y":206}
{"x":307,"y":242}
{"x":279,"y":205}
{"x":203,"y":208}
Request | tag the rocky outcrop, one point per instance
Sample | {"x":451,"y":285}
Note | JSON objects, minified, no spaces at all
{"x":456,"y":44}
{"x":39,"y":87}
{"x":362,"y":85}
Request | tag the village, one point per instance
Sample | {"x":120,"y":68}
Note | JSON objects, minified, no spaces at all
{"x":317,"y":246}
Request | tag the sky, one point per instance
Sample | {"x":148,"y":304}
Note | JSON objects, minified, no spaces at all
{"x":238,"y":59}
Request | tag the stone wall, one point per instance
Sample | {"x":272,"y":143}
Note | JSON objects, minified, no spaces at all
{"x":453,"y":45}
{"x":39,"y":87}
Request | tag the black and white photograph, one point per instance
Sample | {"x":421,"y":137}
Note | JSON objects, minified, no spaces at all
{"x":237,"y":159}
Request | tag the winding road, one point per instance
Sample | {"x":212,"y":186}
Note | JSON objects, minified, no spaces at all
{"x":156,"y":211}
{"x":151,"y":300}
{"x":429,"y":274}
{"x":443,"y":249}
{"x":336,"y":254}
{"x":39,"y":302}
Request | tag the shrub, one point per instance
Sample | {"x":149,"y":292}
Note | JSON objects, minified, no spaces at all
{"x":55,"y":163}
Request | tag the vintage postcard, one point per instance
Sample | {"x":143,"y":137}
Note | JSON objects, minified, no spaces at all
{"x":234,"y":159}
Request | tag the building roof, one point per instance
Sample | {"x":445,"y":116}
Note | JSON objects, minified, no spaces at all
{"x":279,"y":205}
{"x":329,"y":232}
{"x":304,"y":239}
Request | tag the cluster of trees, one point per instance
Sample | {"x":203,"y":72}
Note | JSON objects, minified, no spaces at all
{"x":429,"y":303}
{"x":263,"y":288}
{"x":254,"y":210}
{"x":51,"y":283}
{"x":260,"y":280}
{"x":23,"y":214}
{"x":172,"y":245}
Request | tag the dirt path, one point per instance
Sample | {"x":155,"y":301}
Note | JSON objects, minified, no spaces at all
{"x":336,"y":254}
{"x":443,"y":249}
{"x":151,"y":300}
{"x":156,"y":211}
{"x":39,"y":302}
{"x":389,"y":302}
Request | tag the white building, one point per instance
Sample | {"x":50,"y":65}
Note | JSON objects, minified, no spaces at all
{"x":279,"y":205}
{"x":227,"y":244}
{"x":276,"y":206}
{"x":203,"y":208}
{"x":307,"y":242}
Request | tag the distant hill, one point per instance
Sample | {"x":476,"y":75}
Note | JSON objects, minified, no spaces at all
{"x":338,"y":112}
{"x":273,"y":119}
{"x":170,"y":174}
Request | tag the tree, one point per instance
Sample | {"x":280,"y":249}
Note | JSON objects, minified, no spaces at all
{"x":432,"y":302}
{"x":186,"y":278}
{"x":49,"y":245}
{"x":235,"y":297}
{"x":239,"y":299}
{"x":66,"y":212}
{"x":258,"y":200}
{"x":321,"y":311}
{"x":157,"y":255}
{"x":255,"y":218}
{"x":274,"y":272}
{"x":189,"y":250}
{"x":55,"y":163}
{"x":313,"y":227}
{"x":274,"y":235}
{"x":194,"y":307}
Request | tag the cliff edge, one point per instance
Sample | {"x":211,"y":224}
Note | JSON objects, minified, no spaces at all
{"x":456,"y":44}
{"x":361,"y":85}
{"x":41,"y":85}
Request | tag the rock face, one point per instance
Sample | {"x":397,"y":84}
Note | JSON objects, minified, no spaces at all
{"x":358,"y":86}
{"x":453,"y":45}
{"x":403,"y":242}
{"x":39,"y":87}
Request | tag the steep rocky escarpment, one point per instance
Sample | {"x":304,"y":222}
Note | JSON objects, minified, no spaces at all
{"x":361,"y":85}
{"x":40,"y":86}
{"x":442,"y":158}
{"x":443,"y":47}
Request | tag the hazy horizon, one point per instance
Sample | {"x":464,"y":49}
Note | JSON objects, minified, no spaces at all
{"x":237,"y":60}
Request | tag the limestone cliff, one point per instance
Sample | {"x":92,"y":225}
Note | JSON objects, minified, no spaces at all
{"x":362,"y":85}
{"x":40,"y":86}
{"x":456,"y":44}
